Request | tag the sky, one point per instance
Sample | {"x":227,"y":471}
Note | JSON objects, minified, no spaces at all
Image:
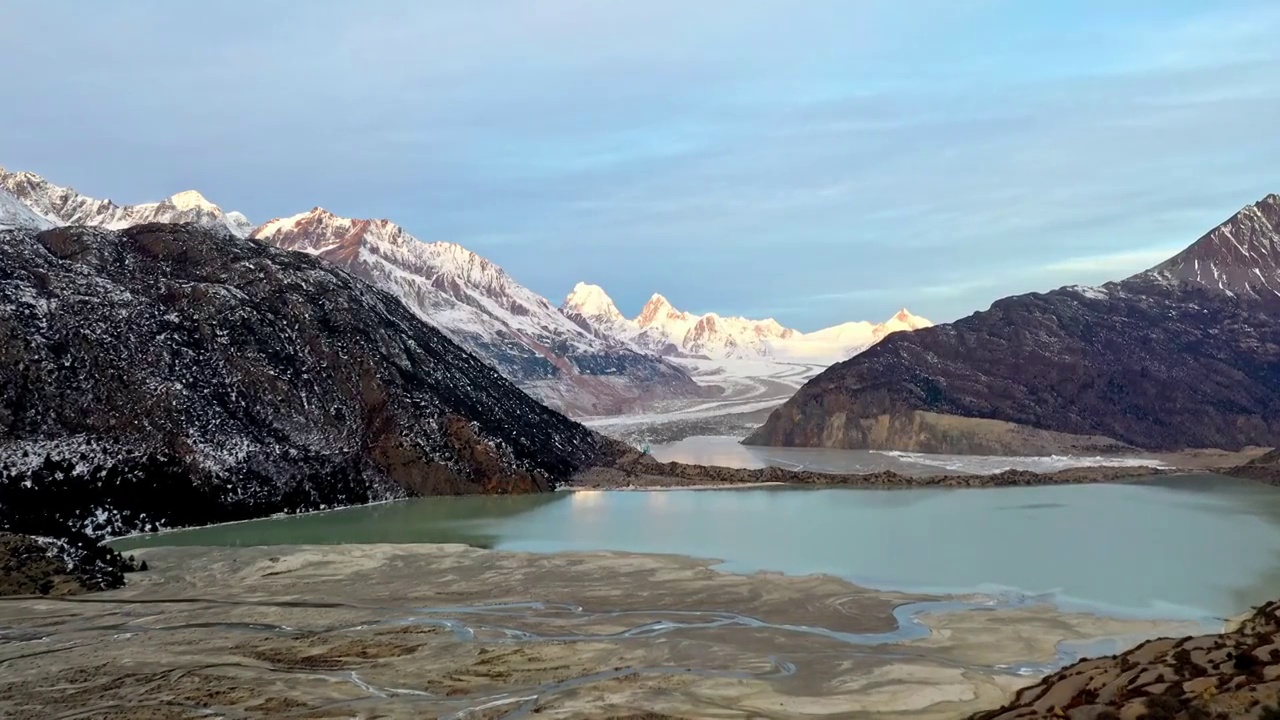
{"x":815,"y":162}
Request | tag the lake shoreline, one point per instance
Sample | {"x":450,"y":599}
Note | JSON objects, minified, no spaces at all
{"x":644,"y":472}
{"x":610,"y":480}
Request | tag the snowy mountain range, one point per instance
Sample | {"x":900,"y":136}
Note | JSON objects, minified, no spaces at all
{"x":470,"y":299}
{"x":64,"y":206}
{"x":479,"y":306}
{"x":663,"y":329}
{"x":584,"y":358}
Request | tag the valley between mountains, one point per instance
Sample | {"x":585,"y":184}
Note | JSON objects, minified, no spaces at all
{"x":581,"y":357}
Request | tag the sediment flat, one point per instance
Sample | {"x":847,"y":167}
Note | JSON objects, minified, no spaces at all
{"x":412,"y":631}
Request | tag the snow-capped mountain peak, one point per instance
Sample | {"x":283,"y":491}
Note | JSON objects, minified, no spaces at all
{"x":65,"y":206}
{"x":191,"y":200}
{"x":659,"y":310}
{"x":238,"y":219}
{"x":592,"y":302}
{"x":902,"y":320}
{"x":1241,"y":256}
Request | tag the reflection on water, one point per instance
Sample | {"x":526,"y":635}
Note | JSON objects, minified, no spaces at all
{"x":438,"y":520}
{"x":1181,"y":547}
{"x":1257,"y":503}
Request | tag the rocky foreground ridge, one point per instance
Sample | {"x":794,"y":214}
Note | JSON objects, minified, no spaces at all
{"x":1186,"y":355}
{"x":171,"y":375}
{"x":1210,"y":677}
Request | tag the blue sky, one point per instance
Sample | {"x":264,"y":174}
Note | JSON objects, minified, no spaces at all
{"x":816,"y":162}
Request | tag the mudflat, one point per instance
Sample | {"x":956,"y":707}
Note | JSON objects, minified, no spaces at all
{"x":413,"y":631}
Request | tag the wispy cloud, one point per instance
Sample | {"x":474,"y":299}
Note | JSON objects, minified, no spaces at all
{"x":1119,"y":262}
{"x":831,"y":160}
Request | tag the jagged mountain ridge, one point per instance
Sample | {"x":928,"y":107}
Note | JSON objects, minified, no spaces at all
{"x":64,"y":206}
{"x":1179,"y":356}
{"x":480,"y":306}
{"x":662,"y":328}
{"x":1239,"y":257}
{"x":171,"y":375}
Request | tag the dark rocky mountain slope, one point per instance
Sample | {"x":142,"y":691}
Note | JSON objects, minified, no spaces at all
{"x":170,"y":375}
{"x":1184,"y":355}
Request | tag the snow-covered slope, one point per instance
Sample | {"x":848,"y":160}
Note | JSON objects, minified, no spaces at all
{"x":15,"y":215}
{"x":482,"y":308}
{"x":64,"y":206}
{"x":662,"y":328}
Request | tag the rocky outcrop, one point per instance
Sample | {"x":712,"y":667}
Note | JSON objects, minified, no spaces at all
{"x":1159,"y":361}
{"x":171,"y":375}
{"x":52,"y":566}
{"x":1233,"y":675}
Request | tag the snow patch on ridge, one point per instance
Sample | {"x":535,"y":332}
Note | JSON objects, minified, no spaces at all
{"x":15,"y":215}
